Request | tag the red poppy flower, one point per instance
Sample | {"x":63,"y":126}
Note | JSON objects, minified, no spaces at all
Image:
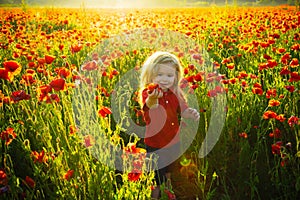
{"x":273,"y":103}
{"x":6,"y":75}
{"x":285,"y":58}
{"x":30,"y":182}
{"x":271,"y":93}
{"x":197,"y":56}
{"x":151,"y":87}
{"x":49,"y":59}
{"x":73,"y":130}
{"x":294,"y":63}
{"x":285,"y":71}
{"x":295,"y":47}
{"x":275,"y":134}
{"x":89,"y":141}
{"x":69,"y":174}
{"x":232,"y":80}
{"x":114,"y":72}
{"x":257,"y":90}
{"x":41,"y":61}
{"x":52,"y":98}
{"x":293,"y":120}
{"x":58,"y":84}
{"x":226,"y":60}
{"x":230,"y":66}
{"x":76,"y":48}
{"x":104,"y":111}
{"x":90,"y":66}
{"x":63,"y":72}
{"x":3,"y":177}
{"x":280,"y":118}
{"x":19,"y":95}
{"x":280,"y":50}
{"x":134,"y":175}
{"x":171,"y":195}
{"x":272,"y":63}
{"x":269,"y":115}
{"x":13,"y":67}
{"x":290,"y":88}
{"x":243,"y":135}
{"x":295,"y":77}
{"x":212,"y":93}
{"x":276,"y":148}
{"x":28,"y":79}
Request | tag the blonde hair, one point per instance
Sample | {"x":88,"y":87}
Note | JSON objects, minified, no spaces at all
{"x":151,"y":66}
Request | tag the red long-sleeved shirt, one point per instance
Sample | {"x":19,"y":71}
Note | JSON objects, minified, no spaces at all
{"x":162,"y":123}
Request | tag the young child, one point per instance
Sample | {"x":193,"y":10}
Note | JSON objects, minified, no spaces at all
{"x":163,"y":106}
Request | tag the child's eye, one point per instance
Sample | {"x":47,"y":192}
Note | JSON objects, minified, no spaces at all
{"x":170,"y":75}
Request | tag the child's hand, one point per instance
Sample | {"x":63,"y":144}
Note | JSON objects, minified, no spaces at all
{"x":155,"y":94}
{"x":191,"y":113}
{"x":152,"y":100}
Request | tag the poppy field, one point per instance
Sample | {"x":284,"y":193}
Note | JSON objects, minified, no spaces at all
{"x":59,"y":114}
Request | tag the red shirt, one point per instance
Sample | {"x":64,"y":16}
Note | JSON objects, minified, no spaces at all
{"x":162,"y":123}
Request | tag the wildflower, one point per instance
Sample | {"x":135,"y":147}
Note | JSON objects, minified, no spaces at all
{"x":290,"y":88}
{"x":295,"y":77}
{"x":134,"y":175}
{"x":275,"y":134}
{"x":230,"y":66}
{"x":197,"y":56}
{"x":43,"y":92}
{"x":75,"y":48}
{"x":276,"y":148}
{"x":30,"y":182}
{"x":280,"y":50}
{"x":273,"y":103}
{"x":114,"y":72}
{"x":285,"y":58}
{"x":90,"y":66}
{"x":3,"y":177}
{"x":293,"y":120}
{"x":63,"y":72}
{"x":8,"y":135}
{"x":257,"y":90}
{"x":6,"y":75}
{"x":58,"y":84}
{"x":104,"y":111}
{"x":13,"y":67}
{"x":243,"y":135}
{"x":171,"y":195}
{"x":19,"y":95}
{"x":294,"y":63}
{"x":285,"y":71}
{"x":69,"y":174}
{"x":89,"y":141}
{"x":269,"y":115}
{"x":39,"y":157}
{"x":28,"y":79}
{"x":49,"y":59}
{"x":272,"y":63}
{"x":212,"y":93}
{"x":73,"y":129}
{"x":280,"y":118}
{"x":271,"y":93}
{"x":130,"y":148}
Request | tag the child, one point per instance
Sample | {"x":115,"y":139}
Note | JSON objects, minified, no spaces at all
{"x":163,"y":105}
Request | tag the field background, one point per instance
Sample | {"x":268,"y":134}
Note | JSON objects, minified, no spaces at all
{"x":246,"y":53}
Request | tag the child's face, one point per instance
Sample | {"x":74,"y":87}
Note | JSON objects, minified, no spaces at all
{"x":165,"y":76}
